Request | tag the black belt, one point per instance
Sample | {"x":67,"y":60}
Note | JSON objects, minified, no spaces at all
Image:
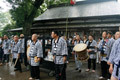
{"x":118,"y":66}
{"x":58,"y":55}
{"x":15,"y":51}
{"x":92,"y":47}
{"x":32,"y":56}
{"x":6,"y":47}
{"x":117,"y":71}
{"x":92,"y":52}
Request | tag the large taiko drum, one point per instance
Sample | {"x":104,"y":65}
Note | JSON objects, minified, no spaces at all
{"x":81,"y":51}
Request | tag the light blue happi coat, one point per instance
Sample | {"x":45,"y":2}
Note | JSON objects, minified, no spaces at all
{"x":110,"y":44}
{"x":6,"y":46}
{"x":115,"y":52}
{"x":35,"y":50}
{"x":115,"y":58}
{"x":22,"y":45}
{"x":94,"y":43}
{"x":105,"y":50}
{"x":60,"y":51}
{"x":15,"y":49}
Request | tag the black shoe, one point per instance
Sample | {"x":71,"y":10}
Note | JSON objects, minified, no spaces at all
{"x":20,"y":71}
{"x":80,"y":70}
{"x":76,"y":69}
{"x":21,"y":62}
{"x":37,"y":78}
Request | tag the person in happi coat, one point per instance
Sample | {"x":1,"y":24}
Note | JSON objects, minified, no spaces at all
{"x":35,"y":55}
{"x":77,"y":62}
{"x":111,"y":41}
{"x":16,"y":54}
{"x":1,"y":51}
{"x":98,"y":59}
{"x":102,"y":46}
{"x":85,"y":39}
{"x":114,"y":58}
{"x":23,"y":55}
{"x":109,"y":48}
{"x":91,"y":49}
{"x":6,"y":49}
{"x":22,"y":47}
{"x":60,"y":52}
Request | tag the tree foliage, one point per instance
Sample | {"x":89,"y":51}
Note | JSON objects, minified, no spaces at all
{"x":23,"y":12}
{"x":4,"y":19}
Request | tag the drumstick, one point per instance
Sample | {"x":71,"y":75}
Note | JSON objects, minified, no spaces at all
{"x":16,"y":61}
{"x":11,"y":61}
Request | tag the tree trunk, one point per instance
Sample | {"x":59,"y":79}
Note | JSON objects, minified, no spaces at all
{"x":26,"y":28}
{"x":29,"y":18}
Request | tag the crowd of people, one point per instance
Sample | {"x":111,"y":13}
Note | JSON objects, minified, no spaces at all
{"x":105,"y":51}
{"x":12,"y":50}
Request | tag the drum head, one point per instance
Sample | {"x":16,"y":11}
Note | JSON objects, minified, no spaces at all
{"x":80,"y":47}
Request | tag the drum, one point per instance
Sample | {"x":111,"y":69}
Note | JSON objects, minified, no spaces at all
{"x":81,"y":51}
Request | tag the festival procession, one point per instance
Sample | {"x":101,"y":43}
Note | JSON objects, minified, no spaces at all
{"x":59,"y":39}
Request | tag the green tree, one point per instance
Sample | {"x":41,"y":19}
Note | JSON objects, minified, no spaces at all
{"x":24,"y":11}
{"x":8,"y":27}
{"x":4,"y":19}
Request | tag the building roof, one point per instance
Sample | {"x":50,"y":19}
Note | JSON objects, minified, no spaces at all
{"x":16,"y":29}
{"x":89,"y":8}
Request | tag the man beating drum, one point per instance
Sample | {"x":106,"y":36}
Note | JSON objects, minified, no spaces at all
{"x":79,"y":48}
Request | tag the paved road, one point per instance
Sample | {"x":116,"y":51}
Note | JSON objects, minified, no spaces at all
{"x":7,"y":73}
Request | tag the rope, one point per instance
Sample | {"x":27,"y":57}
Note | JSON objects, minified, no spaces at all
{"x":67,"y":19}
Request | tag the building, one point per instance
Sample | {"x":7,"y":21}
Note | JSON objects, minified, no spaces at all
{"x":88,"y":16}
